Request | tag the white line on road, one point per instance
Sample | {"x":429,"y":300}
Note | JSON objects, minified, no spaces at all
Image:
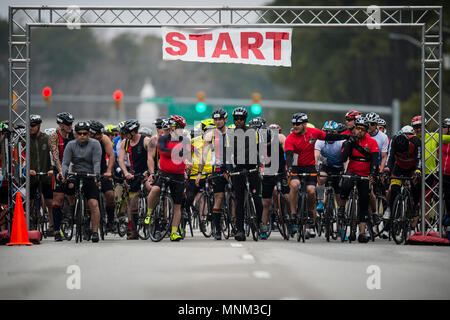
{"x":262,"y":275}
{"x":236,"y":245}
{"x":247,"y":257}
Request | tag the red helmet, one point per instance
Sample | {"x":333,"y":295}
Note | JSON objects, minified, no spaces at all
{"x":352,"y":115}
{"x":417,"y":120}
{"x":179,"y":121}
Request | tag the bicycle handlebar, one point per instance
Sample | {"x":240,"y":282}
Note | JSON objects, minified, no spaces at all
{"x":243,"y":172}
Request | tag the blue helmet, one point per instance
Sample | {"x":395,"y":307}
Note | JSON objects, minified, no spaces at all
{"x":330,"y":125}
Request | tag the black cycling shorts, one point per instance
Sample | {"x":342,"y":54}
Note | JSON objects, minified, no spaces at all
{"x":269,"y":183}
{"x":90,"y":188}
{"x":47,"y":190}
{"x":107,"y":184}
{"x":309,"y":181}
{"x":176,"y":185}
{"x":332,"y":171}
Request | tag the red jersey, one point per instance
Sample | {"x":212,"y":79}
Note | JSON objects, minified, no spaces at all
{"x":446,"y":159}
{"x":358,"y":164}
{"x":171,"y":160}
{"x":303,"y":145}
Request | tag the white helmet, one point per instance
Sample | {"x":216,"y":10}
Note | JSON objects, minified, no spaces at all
{"x":407,"y":130}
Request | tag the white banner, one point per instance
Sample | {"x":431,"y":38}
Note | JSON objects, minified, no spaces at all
{"x":269,"y":47}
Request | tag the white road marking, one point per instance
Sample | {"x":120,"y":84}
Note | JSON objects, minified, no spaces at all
{"x":262,"y":275}
{"x":236,"y":245}
{"x":247,"y":257}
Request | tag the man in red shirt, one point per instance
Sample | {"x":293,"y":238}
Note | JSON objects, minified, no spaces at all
{"x":300,"y":143}
{"x":362,"y":150}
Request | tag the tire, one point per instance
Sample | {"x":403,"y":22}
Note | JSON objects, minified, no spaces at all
{"x":205,"y":212}
{"x":253,"y":224}
{"x":230,"y":201}
{"x":282,"y":214}
{"x":162,"y":219}
{"x":225,"y":223}
{"x":302,"y":219}
{"x":142,"y":228}
{"x":79,"y":211}
{"x":122,"y":224}
{"x":397,"y":222}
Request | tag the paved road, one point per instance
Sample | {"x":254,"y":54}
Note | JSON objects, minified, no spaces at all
{"x":199,"y":268}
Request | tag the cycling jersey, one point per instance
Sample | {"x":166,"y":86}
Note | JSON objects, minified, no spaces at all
{"x":383,"y":143}
{"x":364,"y":163}
{"x":196,"y":152}
{"x":40,"y":156}
{"x":431,"y":145}
{"x":408,"y":160}
{"x":85,"y":157}
{"x":171,"y":154}
{"x":303,"y":145}
{"x":331,"y":152}
{"x":137,"y":155}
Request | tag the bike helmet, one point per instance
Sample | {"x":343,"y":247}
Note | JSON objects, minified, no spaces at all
{"x":407,"y":130}
{"x":232,"y":126}
{"x":178,"y":121}
{"x":219,"y":113}
{"x":416,"y":121}
{"x":82,"y":126}
{"x":50,"y":131}
{"x":341,"y":127}
{"x":146,"y":131}
{"x":352,"y":115}
{"x":400,"y":143}
{"x":446,"y":122}
{"x":257,"y":123}
{"x":166,"y":124}
{"x":3,"y":126}
{"x":381,"y":122}
{"x":361,"y":122}
{"x":299,"y":118}
{"x":35,"y":119}
{"x":207,"y":124}
{"x":65,"y":118}
{"x":240,"y":112}
{"x":131,"y":125}
{"x":109,"y":128}
{"x":158,"y":122}
{"x":275,"y":126}
{"x":121,"y":127}
{"x":372,"y":117}
{"x":330,"y":125}
{"x":96,"y":127}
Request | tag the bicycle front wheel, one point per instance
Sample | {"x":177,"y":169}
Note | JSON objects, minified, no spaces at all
{"x":398,"y":223}
{"x":161,"y":219}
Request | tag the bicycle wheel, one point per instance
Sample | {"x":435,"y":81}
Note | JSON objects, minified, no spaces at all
{"x":269,"y":226}
{"x":142,"y":228}
{"x":282,"y":214}
{"x":205,"y":212}
{"x":67,"y":225}
{"x":398,"y":223}
{"x":225,"y":224}
{"x":302,"y":219}
{"x":102,"y":225}
{"x":352,"y":218}
{"x":230,"y":201}
{"x":121,"y":223}
{"x":79,"y":211}
{"x":161,"y":220}
{"x":319,"y":225}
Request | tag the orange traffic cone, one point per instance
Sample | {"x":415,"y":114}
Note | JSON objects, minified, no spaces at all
{"x":19,"y":232}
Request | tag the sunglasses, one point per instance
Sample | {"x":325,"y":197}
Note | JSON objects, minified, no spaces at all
{"x":417,"y":127}
{"x":33,"y":125}
{"x":239,"y":119}
{"x":374,"y":123}
{"x":349,"y":119}
{"x":84,"y":133}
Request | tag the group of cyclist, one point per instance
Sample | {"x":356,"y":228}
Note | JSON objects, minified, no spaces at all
{"x":304,"y":159}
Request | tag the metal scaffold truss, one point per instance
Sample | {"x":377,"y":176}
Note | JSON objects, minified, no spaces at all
{"x":428,"y":18}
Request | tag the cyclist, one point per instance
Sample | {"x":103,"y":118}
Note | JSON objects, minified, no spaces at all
{"x":57,"y":143}
{"x":85,"y":155}
{"x":382,"y":125}
{"x":216,"y":141}
{"x":404,"y":160}
{"x":193,"y":188}
{"x":300,"y":143}
{"x":147,"y":132}
{"x":173,"y":148}
{"x":250,"y":139}
{"x":133,"y":160}
{"x":269,"y":181}
{"x":329,"y":154}
{"x":40,"y":162}
{"x":111,"y":131}
{"x":106,"y":169}
{"x":350,"y":118}
{"x":381,"y":138}
{"x":362,"y":152}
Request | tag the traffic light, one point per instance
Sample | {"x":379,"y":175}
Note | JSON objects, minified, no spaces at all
{"x":256,"y":104}
{"x":47,"y":95}
{"x":118,"y":95}
{"x":200,"y":107}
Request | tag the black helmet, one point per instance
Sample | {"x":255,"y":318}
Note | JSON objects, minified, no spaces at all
{"x":299,"y":117}
{"x":240,"y":112}
{"x":96,"y":127}
{"x":35,"y":119}
{"x":362,"y":122}
{"x":65,"y":118}
{"x":341,"y":127}
{"x":82,"y":126}
{"x":257,"y":123}
{"x":158,"y":122}
{"x":166,"y":124}
{"x":131,"y":125}
{"x":400,"y":143}
{"x":219,"y":113}
{"x":446,"y":122}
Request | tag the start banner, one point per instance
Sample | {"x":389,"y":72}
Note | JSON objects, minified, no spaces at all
{"x":269,"y":47}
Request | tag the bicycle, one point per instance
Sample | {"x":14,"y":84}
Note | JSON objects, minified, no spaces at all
{"x":120,"y":217}
{"x":142,"y":228}
{"x":351,"y":211}
{"x":206,"y":201}
{"x":380,"y":207}
{"x":330,"y":209}
{"x":39,"y":217}
{"x":280,"y":212}
{"x":162,"y":216}
{"x":81,"y":218}
{"x":302,"y":215}
{"x":250,"y":219}
{"x":403,"y":206}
